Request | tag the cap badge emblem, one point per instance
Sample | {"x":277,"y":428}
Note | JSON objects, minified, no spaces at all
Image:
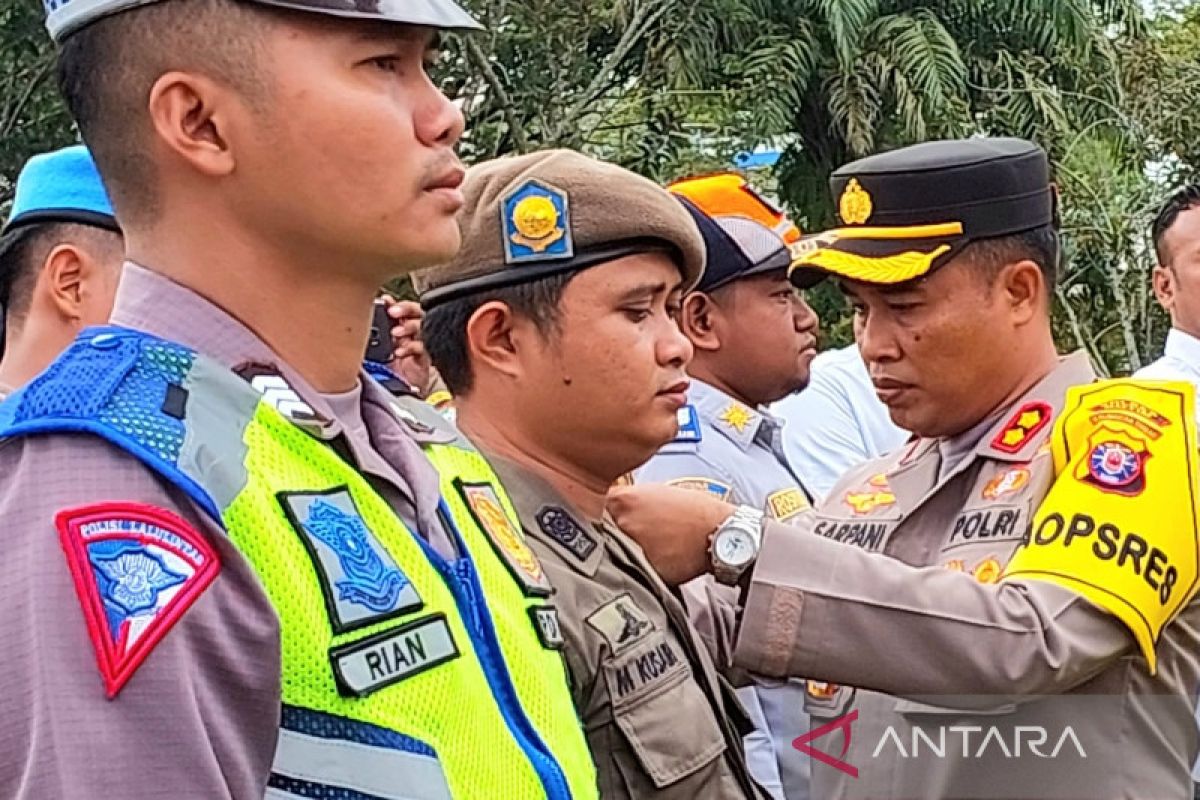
{"x":536,"y":224}
{"x":856,"y":204}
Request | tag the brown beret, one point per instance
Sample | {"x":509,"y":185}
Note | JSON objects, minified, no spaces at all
{"x":555,"y":211}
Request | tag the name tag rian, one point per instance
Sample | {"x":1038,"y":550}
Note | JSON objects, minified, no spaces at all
{"x":370,"y":664}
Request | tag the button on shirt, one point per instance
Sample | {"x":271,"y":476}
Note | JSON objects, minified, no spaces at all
{"x":837,"y":422}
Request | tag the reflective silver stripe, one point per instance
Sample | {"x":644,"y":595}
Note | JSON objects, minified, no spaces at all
{"x":381,"y":771}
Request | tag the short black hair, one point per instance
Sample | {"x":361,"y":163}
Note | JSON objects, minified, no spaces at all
{"x":107,"y":68}
{"x":1183,"y":200}
{"x":1040,"y":245}
{"x":23,"y":252}
{"x":444,"y":329}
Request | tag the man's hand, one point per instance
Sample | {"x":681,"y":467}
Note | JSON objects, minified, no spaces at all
{"x":409,"y":358}
{"x":672,"y":525}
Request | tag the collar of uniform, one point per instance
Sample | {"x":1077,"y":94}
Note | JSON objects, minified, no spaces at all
{"x":736,"y":420}
{"x":531,"y":494}
{"x":423,"y":423}
{"x":1183,"y":347}
{"x":1072,"y":370}
{"x":151,"y":302}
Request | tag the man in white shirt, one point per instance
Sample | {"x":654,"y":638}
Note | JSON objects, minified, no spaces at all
{"x":1176,"y":235}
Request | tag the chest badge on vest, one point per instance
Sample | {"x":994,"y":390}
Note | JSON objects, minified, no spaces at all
{"x":489,"y":514}
{"x":137,"y":570}
{"x":360,"y":580}
{"x":875,"y":495}
{"x":1029,"y":420}
{"x":391,"y":656}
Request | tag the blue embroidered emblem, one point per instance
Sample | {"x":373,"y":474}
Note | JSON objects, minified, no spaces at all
{"x":360,"y":579}
{"x":130,"y":578}
{"x":368,"y":582}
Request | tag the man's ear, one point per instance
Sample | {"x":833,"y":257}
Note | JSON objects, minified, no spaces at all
{"x":191,"y":117}
{"x":1025,"y":289}
{"x":493,"y":341}
{"x":699,"y":320}
{"x":1163,"y":282}
{"x":63,"y":275}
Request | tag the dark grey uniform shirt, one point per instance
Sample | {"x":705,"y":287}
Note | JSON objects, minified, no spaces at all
{"x":199,"y":718}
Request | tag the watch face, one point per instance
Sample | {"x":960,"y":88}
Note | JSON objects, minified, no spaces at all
{"x":734,"y":547}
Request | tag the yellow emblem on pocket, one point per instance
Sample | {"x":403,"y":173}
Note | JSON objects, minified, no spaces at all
{"x":1121,"y":524}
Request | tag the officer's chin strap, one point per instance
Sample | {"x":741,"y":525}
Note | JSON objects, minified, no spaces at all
{"x":1121,"y":524}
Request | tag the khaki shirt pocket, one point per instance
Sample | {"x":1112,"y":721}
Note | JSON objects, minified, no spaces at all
{"x":664,"y":715}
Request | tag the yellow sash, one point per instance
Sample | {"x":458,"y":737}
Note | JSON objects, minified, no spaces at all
{"x":1120,"y":525}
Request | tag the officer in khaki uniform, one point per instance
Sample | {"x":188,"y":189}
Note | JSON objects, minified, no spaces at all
{"x":754,"y":338}
{"x":1003,"y":608}
{"x":554,"y":329}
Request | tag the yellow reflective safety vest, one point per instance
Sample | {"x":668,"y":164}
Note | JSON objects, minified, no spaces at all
{"x":405,"y":675}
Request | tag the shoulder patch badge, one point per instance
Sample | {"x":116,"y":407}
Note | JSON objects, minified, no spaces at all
{"x":136,"y":569}
{"x":1024,"y":425}
{"x":787,"y":503}
{"x":876,"y":494}
{"x":689,"y":425}
{"x":360,"y":580}
{"x":536,"y":220}
{"x":719,"y":490}
{"x":621,"y":622}
{"x":562,"y":528}
{"x":506,"y":539}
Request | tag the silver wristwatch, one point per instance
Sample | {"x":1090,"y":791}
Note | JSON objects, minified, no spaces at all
{"x":734,"y":546}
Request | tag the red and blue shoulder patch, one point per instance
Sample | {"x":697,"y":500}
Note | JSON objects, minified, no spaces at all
{"x":137,"y":569}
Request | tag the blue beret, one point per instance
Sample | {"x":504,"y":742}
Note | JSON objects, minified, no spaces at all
{"x":61,"y":186}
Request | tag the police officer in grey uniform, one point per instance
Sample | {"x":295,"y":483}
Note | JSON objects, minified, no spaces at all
{"x":1005,"y":607}
{"x":754,"y":338}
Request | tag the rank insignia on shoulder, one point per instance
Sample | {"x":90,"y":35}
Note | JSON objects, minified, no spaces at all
{"x":787,"y":503}
{"x":359,"y":578}
{"x":137,"y":569}
{"x":689,"y":425}
{"x":560,"y":526}
{"x":536,"y":220}
{"x":621,"y":622}
{"x":277,"y":392}
{"x":876,"y":494}
{"x":1029,"y":420}
{"x":719,"y":490}
{"x":506,"y":538}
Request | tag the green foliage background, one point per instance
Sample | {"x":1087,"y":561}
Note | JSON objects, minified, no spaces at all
{"x":675,"y":87}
